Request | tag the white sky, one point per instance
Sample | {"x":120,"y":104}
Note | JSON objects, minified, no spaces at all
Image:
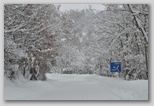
{"x":65,"y":7}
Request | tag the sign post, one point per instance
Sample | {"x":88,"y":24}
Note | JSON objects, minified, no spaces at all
{"x":115,"y":67}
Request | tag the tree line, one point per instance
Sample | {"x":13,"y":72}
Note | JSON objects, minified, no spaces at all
{"x":76,"y":41}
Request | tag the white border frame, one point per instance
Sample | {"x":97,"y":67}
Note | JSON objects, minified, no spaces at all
{"x":81,"y":103}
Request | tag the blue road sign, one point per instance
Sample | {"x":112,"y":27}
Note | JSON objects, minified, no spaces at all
{"x":115,"y":67}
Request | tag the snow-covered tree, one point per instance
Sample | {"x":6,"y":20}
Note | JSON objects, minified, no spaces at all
{"x":30,"y":28}
{"x":77,"y":41}
{"x":124,"y":32}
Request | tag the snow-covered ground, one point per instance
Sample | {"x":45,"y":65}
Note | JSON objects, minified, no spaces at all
{"x":76,"y":87}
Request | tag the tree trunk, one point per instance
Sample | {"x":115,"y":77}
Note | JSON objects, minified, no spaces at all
{"x":146,"y":57}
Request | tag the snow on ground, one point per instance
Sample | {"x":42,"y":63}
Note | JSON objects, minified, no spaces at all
{"x":76,"y":87}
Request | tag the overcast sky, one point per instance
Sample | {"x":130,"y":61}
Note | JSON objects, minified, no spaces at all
{"x":65,"y":7}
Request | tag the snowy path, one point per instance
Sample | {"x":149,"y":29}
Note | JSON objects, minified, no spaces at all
{"x":77,"y":87}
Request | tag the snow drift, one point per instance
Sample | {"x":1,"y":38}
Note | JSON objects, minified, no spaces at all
{"x":76,"y":87}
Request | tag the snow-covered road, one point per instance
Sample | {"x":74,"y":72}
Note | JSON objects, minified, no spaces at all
{"x":76,"y":87}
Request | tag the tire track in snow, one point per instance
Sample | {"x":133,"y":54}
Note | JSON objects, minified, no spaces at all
{"x":107,"y":88}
